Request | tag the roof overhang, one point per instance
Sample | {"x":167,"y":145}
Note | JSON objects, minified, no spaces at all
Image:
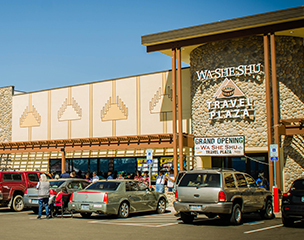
{"x":287,"y":22}
{"x":81,"y":144}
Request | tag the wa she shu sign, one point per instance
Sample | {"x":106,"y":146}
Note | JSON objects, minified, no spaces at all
{"x":219,"y":146}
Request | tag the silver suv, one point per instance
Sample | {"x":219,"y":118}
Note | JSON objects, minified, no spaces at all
{"x":226,"y":193}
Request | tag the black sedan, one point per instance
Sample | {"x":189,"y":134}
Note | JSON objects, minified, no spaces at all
{"x":293,"y":203}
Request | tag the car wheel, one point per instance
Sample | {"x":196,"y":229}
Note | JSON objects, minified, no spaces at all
{"x":35,"y":210}
{"x":124,"y":210}
{"x":287,"y":222}
{"x":17,"y":204}
{"x":161,"y":206}
{"x":86,"y":214}
{"x":236,"y":215}
{"x":187,"y":218}
{"x":267,"y":213}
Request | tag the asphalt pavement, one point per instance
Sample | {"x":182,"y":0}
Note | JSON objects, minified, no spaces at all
{"x":24,"y":225}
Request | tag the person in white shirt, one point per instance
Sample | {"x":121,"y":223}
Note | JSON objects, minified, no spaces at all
{"x":170,"y":181}
{"x":160,"y":182}
{"x":95,"y":177}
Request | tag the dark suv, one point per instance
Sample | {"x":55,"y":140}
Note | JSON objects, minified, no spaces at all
{"x":13,"y":185}
{"x":226,"y":193}
{"x":293,"y":203}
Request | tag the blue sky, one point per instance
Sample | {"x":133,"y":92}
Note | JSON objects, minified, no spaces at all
{"x":54,"y":43}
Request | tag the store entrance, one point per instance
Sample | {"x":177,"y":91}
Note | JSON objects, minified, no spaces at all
{"x":252,"y":165}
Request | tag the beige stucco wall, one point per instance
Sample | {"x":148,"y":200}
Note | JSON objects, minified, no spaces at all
{"x":128,"y":106}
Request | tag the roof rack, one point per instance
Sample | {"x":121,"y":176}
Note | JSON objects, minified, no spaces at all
{"x":214,"y":168}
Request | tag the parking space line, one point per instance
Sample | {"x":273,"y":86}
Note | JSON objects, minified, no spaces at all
{"x":254,"y":223}
{"x":133,"y":224}
{"x":11,"y":213}
{"x":263,"y":229}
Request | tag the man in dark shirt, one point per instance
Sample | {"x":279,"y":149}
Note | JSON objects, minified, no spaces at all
{"x":64,"y":175}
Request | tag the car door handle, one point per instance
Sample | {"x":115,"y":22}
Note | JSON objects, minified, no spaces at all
{"x":196,"y":195}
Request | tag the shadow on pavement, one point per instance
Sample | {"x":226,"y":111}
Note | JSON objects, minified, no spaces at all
{"x":246,"y":218}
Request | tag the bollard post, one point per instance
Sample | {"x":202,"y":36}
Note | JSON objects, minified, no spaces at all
{"x":276,"y":199}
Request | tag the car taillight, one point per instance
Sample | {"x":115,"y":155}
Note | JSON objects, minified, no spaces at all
{"x":71,"y":197}
{"x":286,"y":194}
{"x":105,"y":198}
{"x":222,"y":197}
{"x":176,"y":195}
{"x":25,"y":192}
{"x":53,"y":192}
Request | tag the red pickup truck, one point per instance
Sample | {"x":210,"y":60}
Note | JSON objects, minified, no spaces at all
{"x":13,"y":185}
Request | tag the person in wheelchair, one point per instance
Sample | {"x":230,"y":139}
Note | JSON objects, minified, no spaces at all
{"x":59,"y":200}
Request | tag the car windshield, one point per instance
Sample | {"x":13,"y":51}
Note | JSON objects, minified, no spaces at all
{"x":109,"y":186}
{"x":298,"y":185}
{"x":200,"y":180}
{"x":56,"y":184}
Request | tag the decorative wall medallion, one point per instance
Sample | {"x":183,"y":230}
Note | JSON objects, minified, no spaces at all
{"x":69,"y":112}
{"x":114,"y":110}
{"x":30,"y":118}
{"x":161,"y":102}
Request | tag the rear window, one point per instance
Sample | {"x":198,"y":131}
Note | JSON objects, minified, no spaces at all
{"x":298,"y":185}
{"x":12,"y":177}
{"x":33,"y":177}
{"x":56,"y":184}
{"x":112,"y":186}
{"x":200,"y":180}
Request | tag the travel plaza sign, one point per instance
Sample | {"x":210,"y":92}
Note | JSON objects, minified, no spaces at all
{"x":219,"y":146}
{"x":230,"y":101}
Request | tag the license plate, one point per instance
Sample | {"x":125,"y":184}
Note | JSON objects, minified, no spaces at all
{"x":34,"y":201}
{"x":85,"y":207}
{"x":196,"y":208}
{"x":302,"y":199}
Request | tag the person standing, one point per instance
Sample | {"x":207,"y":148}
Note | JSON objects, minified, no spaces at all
{"x":146,"y":178}
{"x":43,"y":188}
{"x":170,"y":181}
{"x":95,"y":177}
{"x":110,"y":175}
{"x":138,"y":176}
{"x":64,"y":174}
{"x":160,"y":182}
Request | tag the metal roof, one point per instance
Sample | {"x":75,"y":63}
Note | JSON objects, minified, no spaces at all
{"x":288,"y":22}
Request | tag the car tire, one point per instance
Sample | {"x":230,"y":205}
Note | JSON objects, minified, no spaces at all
{"x":287,"y":222}
{"x":236,"y":215}
{"x":17,"y":204}
{"x":35,"y":210}
{"x":124,"y":210}
{"x":186,"y":218}
{"x":86,"y":214}
{"x":267,"y":213}
{"x":161,"y":206}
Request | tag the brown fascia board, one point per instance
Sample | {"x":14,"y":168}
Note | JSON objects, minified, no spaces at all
{"x":228,"y":35}
{"x":224,"y":26}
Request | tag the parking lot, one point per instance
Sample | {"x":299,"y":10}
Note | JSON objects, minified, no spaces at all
{"x":15,"y":225}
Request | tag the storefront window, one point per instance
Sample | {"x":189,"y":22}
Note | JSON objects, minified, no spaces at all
{"x":239,"y":163}
{"x":124,"y":164}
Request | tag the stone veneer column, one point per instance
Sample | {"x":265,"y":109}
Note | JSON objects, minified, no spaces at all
{"x":6,"y":94}
{"x":6,"y":97}
{"x":290,"y":74}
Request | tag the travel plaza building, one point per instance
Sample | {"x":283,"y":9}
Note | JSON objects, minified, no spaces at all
{"x":242,"y":92}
